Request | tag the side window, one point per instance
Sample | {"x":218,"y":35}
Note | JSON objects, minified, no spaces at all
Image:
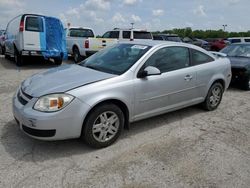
{"x":126,"y":34}
{"x":169,"y":59}
{"x":247,"y":40}
{"x":200,"y":58}
{"x":106,"y":35}
{"x":34,"y":24}
{"x":114,"y":34}
{"x":111,"y":34}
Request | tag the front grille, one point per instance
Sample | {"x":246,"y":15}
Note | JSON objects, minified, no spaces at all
{"x":23,"y":98}
{"x":26,"y":95}
{"x":38,"y":132}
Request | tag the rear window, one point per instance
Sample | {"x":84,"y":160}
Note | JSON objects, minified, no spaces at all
{"x":142,"y":35}
{"x":81,"y":33}
{"x":155,"y":37}
{"x":34,"y":24}
{"x":235,"y":40}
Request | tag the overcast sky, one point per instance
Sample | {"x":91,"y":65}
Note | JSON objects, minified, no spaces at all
{"x":103,"y":15}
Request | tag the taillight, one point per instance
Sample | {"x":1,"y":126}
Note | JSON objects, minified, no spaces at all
{"x":21,"y":27}
{"x":86,"y":44}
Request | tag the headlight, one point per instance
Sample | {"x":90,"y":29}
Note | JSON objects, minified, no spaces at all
{"x":53,"y":102}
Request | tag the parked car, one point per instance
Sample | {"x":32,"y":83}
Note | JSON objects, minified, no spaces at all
{"x":124,"y":83}
{"x":239,"y":55}
{"x":81,"y":42}
{"x":198,"y":42}
{"x":238,"y":39}
{"x":167,"y":37}
{"x":128,"y":34}
{"x":218,"y":45}
{"x":2,"y":42}
{"x":35,"y":35}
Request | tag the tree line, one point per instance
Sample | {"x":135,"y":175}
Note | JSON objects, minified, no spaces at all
{"x":203,"y":34}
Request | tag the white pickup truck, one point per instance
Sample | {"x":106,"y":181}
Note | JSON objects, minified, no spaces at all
{"x":81,"y":42}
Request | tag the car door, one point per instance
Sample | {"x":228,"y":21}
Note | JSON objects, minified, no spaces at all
{"x":175,"y":87}
{"x":34,"y":35}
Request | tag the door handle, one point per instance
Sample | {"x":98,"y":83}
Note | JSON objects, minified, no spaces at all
{"x":188,"y":77}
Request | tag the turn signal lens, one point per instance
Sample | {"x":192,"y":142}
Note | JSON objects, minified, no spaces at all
{"x":53,"y":102}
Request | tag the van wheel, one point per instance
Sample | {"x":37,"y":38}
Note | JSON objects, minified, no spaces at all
{"x":18,"y":58}
{"x":103,"y":125}
{"x":246,"y":84}
{"x":214,"y":97}
{"x":76,"y":54}
{"x":58,"y":61}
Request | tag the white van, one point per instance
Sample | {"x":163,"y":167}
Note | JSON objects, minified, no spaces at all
{"x":27,"y":35}
{"x":239,"y":39}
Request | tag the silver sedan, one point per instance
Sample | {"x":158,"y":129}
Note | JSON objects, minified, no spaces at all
{"x":121,"y":84}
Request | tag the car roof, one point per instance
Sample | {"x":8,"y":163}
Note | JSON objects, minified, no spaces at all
{"x":159,"y":43}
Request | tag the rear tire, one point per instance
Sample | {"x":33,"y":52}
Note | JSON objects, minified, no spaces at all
{"x":76,"y":55}
{"x":103,"y":125}
{"x":246,"y":84}
{"x":214,"y":97}
{"x":18,"y":58}
{"x":1,"y":50}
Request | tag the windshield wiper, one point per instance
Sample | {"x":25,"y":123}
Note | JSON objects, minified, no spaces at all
{"x":92,"y":67}
{"x":240,"y":56}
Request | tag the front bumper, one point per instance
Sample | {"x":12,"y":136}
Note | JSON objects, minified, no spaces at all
{"x":64,"y":124}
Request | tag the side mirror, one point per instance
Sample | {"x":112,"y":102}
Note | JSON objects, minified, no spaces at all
{"x":149,"y":71}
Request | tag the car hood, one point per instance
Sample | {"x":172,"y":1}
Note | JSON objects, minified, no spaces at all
{"x":239,"y":62}
{"x":61,"y":79}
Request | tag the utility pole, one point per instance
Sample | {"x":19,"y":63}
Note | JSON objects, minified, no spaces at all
{"x":224,"y":27}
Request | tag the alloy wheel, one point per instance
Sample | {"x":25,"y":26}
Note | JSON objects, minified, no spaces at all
{"x":215,"y":97}
{"x":105,"y":126}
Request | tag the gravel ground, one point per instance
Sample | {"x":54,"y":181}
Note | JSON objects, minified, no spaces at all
{"x":186,"y":148}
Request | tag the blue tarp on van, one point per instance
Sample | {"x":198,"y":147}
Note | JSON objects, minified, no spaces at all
{"x":53,"y":39}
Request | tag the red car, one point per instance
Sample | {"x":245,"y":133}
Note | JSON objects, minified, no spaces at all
{"x":217,"y":45}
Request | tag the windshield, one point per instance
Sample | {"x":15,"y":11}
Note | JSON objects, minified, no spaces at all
{"x":241,"y":50}
{"x":116,"y":59}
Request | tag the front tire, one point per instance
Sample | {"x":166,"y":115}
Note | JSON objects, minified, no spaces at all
{"x":214,"y":97}
{"x":246,"y":84}
{"x":103,"y":125}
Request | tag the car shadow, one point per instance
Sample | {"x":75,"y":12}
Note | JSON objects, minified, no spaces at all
{"x":30,"y":63}
{"x":19,"y":145}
